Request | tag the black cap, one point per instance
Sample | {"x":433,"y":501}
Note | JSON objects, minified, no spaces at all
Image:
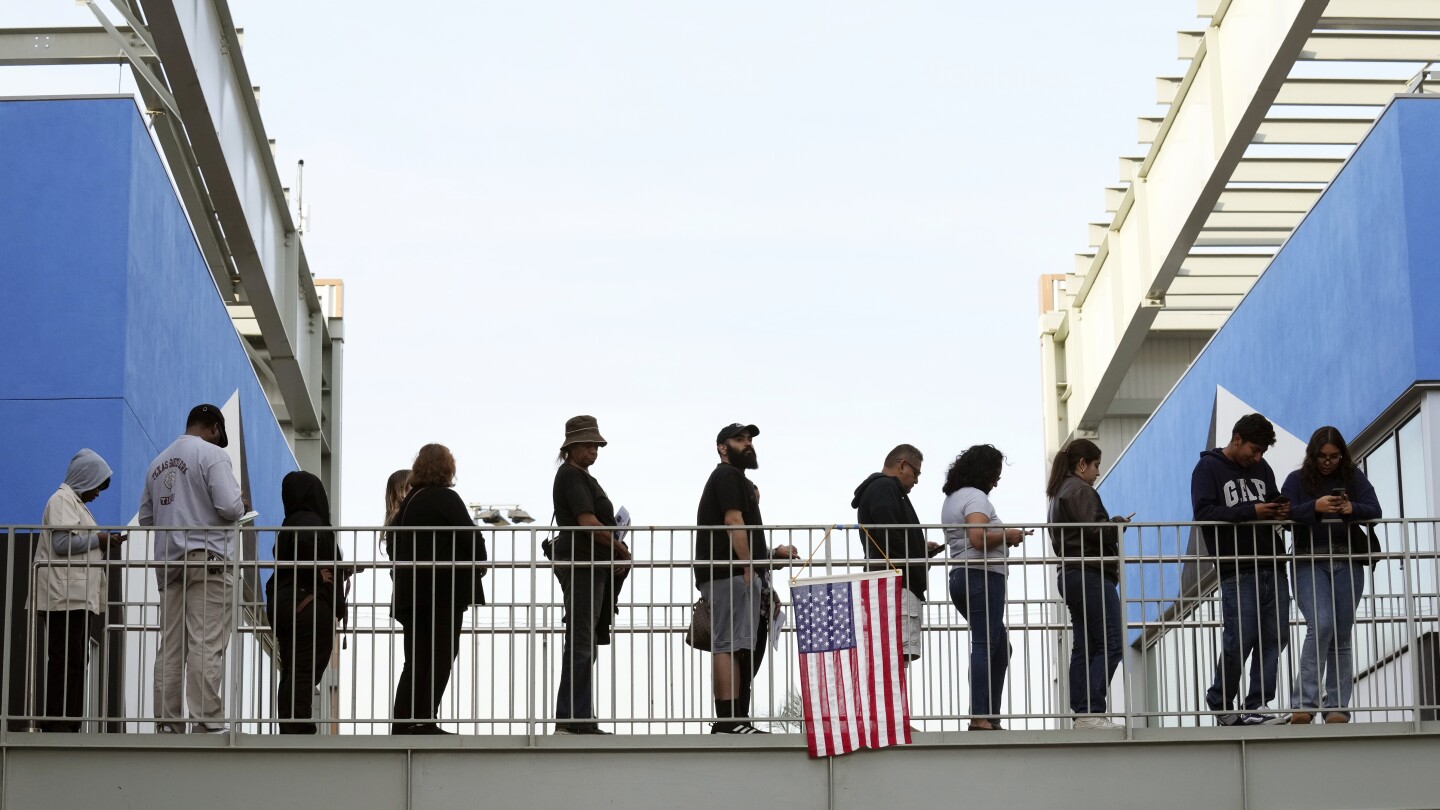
{"x":735,"y":429}
{"x":209,"y":415}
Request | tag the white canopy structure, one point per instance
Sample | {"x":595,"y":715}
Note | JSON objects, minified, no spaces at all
{"x":1277,"y":94}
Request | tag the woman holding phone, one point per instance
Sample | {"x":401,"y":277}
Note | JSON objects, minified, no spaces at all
{"x":1328,"y":496}
{"x":1088,"y":583}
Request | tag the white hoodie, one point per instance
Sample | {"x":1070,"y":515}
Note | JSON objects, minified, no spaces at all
{"x":74,"y":580}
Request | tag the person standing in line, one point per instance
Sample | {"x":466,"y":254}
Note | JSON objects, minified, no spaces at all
{"x":977,"y":584}
{"x":1088,"y":584}
{"x":1328,"y":495}
{"x":1234,"y":484}
{"x":192,"y":484}
{"x":70,"y":588}
{"x":397,"y":486}
{"x":586,"y":571}
{"x":431,"y":598}
{"x":304,"y":603}
{"x":725,"y":575}
{"x":883,"y":499}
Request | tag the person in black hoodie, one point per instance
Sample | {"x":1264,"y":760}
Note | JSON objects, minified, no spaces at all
{"x":883,"y":499}
{"x":304,"y":601}
{"x":1234,"y":484}
{"x":431,"y":600}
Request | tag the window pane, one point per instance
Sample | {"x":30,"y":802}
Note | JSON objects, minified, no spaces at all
{"x":1412,"y":469}
{"x":1383,"y":472}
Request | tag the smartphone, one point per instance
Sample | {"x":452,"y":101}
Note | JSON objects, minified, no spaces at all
{"x":1340,"y":492}
{"x":1279,"y":499}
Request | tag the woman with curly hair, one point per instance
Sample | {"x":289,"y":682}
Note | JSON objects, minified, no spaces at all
{"x":1328,"y":496}
{"x":977,"y":584}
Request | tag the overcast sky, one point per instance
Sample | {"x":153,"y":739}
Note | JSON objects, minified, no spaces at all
{"x":826,"y":218}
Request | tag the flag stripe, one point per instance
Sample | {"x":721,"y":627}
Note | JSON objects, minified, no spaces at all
{"x":851,"y":669}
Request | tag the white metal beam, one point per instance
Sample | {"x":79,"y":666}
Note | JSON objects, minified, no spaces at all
{"x":1237,"y":68}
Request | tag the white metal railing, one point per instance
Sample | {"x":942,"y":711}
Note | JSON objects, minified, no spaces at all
{"x":648,"y":681}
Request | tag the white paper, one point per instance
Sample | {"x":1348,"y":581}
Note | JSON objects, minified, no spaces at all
{"x":776,"y":625}
{"x":622,"y":518}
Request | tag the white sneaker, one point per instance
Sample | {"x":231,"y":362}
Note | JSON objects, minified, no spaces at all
{"x":1092,"y":722}
{"x":205,"y":728}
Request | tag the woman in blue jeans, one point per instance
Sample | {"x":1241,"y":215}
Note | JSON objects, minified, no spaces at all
{"x":1329,"y":496}
{"x":977,"y":584}
{"x":1087,"y":583}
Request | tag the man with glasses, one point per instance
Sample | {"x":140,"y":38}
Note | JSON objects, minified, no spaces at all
{"x":1234,"y":484}
{"x":883,"y":500}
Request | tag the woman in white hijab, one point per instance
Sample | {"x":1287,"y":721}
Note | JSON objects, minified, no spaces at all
{"x":70,"y":588}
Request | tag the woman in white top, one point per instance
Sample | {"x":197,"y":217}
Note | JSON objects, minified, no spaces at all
{"x":977,"y":585}
{"x":70,"y":588}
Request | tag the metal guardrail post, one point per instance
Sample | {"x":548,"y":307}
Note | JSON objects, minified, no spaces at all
{"x":530,"y":625}
{"x":237,"y":671}
{"x":1126,"y":680}
{"x":1412,"y":636}
{"x":8,"y":630}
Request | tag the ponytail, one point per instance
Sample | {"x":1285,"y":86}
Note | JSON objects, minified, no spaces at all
{"x":1069,"y":457}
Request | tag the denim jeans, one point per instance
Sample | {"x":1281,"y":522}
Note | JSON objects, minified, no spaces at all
{"x":1096,"y":638}
{"x":1254,"y":612}
{"x":1328,"y":592}
{"x":589,"y":600}
{"x":979,"y":595}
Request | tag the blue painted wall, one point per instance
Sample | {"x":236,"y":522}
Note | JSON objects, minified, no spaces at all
{"x":115,"y":328}
{"x":1339,"y":326}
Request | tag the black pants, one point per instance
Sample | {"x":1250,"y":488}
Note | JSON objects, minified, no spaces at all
{"x":589,"y":614}
{"x":307,"y":638}
{"x":432,"y":640}
{"x":67,"y":643}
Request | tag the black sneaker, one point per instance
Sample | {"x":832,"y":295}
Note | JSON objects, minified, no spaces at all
{"x":738,"y":728}
{"x":1230,"y":719}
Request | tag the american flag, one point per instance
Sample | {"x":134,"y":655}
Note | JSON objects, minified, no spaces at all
{"x":852,"y":679}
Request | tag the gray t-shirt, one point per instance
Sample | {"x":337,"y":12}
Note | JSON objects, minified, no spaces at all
{"x":959,"y":504}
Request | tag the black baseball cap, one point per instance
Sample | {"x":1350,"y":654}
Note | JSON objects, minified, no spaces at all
{"x":735,"y":429}
{"x":209,"y":415}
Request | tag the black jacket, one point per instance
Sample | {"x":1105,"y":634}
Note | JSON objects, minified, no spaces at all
{"x":447,"y":586}
{"x":879,"y":501}
{"x":1078,"y":502}
{"x":306,"y":505}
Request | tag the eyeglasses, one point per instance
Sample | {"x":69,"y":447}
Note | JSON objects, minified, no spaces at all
{"x":1330,"y":457}
{"x":913,"y":467}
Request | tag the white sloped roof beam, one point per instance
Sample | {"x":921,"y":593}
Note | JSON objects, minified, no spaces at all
{"x":196,"y":44}
{"x":1238,"y":67}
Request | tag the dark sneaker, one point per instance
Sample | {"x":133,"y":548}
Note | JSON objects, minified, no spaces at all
{"x":1230,"y":719}
{"x":1257,"y":719}
{"x":738,"y":728}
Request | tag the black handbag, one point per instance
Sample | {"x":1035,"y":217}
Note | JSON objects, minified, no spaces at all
{"x":1364,"y":542}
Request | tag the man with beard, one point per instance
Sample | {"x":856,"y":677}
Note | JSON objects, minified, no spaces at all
{"x":726,"y":577}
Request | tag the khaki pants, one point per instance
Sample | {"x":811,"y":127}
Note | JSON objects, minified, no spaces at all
{"x":195,"y":618}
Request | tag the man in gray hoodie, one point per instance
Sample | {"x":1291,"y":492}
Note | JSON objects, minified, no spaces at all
{"x":191,"y":485}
